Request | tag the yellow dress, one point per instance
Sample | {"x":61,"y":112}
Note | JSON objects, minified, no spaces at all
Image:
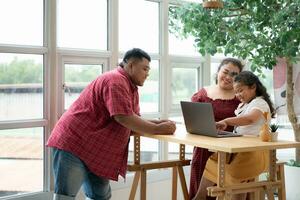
{"x":244,"y":166}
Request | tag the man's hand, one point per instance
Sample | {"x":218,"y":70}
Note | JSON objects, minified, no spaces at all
{"x":166,"y":127}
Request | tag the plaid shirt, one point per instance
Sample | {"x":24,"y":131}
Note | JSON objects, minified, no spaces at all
{"x":87,"y":129}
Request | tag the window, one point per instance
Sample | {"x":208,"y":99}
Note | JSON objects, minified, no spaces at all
{"x":77,"y":77}
{"x":185,"y":81}
{"x":21,"y":86}
{"x":19,"y":25}
{"x":82,"y":24}
{"x":182,"y":46}
{"x":24,"y":92}
{"x":149,"y":92}
{"x":184,"y":84}
{"x":139,"y":25}
{"x":21,"y":161}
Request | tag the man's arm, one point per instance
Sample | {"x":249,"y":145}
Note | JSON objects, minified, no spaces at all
{"x":137,"y":124}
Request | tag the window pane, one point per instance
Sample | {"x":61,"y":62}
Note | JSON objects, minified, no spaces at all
{"x":21,"y":22}
{"x":213,"y":72}
{"x":149,"y":97}
{"x":138,"y":25}
{"x":149,"y":150}
{"x":184,"y":84}
{"x":21,"y":161}
{"x":182,"y":46}
{"x":21,"y":86}
{"x":174,"y":151}
{"x":82,"y":24}
{"x":77,"y":77}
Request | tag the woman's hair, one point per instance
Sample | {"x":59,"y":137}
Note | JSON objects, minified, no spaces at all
{"x":249,"y":79}
{"x":135,"y":53}
{"x":233,"y":61}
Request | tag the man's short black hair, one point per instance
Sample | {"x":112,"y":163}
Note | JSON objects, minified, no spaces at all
{"x":135,"y":53}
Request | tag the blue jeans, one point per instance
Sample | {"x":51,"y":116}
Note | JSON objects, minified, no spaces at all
{"x":70,"y":173}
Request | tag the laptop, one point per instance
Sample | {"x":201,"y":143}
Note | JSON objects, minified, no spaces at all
{"x":199,"y":119}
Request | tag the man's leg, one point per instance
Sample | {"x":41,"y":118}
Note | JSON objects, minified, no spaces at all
{"x":96,"y":188}
{"x":69,"y":173}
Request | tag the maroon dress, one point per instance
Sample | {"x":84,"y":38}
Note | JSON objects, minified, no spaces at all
{"x":223,"y":108}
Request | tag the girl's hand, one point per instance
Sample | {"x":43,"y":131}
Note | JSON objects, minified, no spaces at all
{"x":221,"y":125}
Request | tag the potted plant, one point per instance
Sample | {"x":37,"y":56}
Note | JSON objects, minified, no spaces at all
{"x":274,"y":133}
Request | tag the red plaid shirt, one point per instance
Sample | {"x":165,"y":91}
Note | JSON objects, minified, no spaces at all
{"x":87,"y":129}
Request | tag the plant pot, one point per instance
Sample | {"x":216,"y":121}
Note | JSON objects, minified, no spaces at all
{"x":274,"y":136}
{"x":292,"y":177}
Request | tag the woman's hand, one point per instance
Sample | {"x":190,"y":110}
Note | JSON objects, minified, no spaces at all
{"x":221,"y":125}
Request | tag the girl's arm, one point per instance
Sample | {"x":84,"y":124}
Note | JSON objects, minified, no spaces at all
{"x":243,"y":120}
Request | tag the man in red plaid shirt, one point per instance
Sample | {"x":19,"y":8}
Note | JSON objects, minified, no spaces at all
{"x":90,"y":140}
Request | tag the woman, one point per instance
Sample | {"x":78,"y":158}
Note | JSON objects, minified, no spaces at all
{"x":224,"y":102}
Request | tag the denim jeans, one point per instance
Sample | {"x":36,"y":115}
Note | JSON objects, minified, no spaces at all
{"x":70,"y":173}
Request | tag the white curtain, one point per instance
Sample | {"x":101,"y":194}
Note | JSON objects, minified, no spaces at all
{"x":279,"y":82}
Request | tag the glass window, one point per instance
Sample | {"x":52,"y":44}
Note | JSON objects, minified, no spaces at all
{"x":21,"y":86}
{"x":139,"y":25}
{"x":21,"y":161}
{"x":149,"y":150}
{"x":213,"y":72}
{"x":149,"y":92}
{"x":82,"y":24}
{"x":173,"y":150}
{"x":77,"y":77}
{"x":21,"y":22}
{"x":184,"y":84}
{"x":182,"y":46}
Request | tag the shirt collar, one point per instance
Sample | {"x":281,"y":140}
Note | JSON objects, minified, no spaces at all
{"x":124,"y":73}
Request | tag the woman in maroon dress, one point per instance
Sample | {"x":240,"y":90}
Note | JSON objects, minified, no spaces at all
{"x":224,"y":102}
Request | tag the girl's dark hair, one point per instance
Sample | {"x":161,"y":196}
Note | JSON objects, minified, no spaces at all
{"x":233,"y":61}
{"x":249,"y":79}
{"x":135,"y":53}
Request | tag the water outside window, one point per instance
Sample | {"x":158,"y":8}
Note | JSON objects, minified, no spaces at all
{"x":77,"y":77}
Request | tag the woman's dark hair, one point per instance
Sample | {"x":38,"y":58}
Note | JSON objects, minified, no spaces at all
{"x":249,"y":79}
{"x":235,"y":62}
{"x":135,"y":53}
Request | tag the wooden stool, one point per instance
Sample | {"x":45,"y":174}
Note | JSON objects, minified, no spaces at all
{"x":281,"y":189}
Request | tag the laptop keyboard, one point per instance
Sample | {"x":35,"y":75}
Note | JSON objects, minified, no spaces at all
{"x":225,"y":133}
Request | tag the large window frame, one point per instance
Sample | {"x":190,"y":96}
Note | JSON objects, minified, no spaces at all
{"x":44,"y":122}
{"x":55,"y":58}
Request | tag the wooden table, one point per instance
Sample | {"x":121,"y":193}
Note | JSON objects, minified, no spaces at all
{"x":219,"y":145}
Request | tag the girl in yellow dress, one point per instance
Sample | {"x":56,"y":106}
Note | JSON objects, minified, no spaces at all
{"x":249,"y":119}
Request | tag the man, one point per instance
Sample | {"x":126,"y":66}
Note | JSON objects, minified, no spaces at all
{"x":90,"y":141}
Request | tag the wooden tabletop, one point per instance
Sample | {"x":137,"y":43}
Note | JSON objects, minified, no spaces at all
{"x":228,"y":144}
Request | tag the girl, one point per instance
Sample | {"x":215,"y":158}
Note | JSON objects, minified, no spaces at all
{"x":248,"y":121}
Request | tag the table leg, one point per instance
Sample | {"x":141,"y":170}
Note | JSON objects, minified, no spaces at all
{"x":174,"y":183}
{"x":221,"y":174}
{"x":272,"y":173}
{"x":183,"y":183}
{"x":143,"y":184}
{"x":134,"y":185}
{"x":221,"y":169}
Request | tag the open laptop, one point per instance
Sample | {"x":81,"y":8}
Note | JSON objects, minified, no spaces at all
{"x":199,"y":119}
